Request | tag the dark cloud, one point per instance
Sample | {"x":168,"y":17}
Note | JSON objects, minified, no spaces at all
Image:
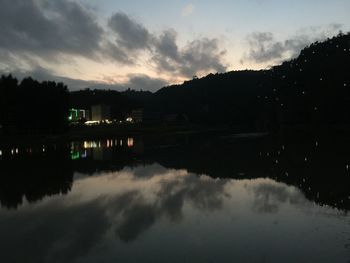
{"x":144,"y":82}
{"x":56,"y":26}
{"x":263,"y":47}
{"x":50,"y":29}
{"x":130,"y":34}
{"x":199,"y":56}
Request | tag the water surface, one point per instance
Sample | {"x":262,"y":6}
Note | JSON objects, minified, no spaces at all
{"x":217,"y":199}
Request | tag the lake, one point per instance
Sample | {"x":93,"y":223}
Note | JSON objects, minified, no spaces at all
{"x":184,"y":198}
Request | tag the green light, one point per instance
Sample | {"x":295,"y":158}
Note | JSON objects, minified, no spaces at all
{"x":75,"y":155}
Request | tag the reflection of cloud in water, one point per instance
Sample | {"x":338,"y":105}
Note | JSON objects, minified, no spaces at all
{"x":269,"y":195}
{"x":126,"y":204}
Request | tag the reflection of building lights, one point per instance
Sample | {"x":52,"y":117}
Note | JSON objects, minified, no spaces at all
{"x":108,"y":145}
{"x":84,"y":155}
{"x":12,"y":151}
{"x":75,"y":155}
{"x":16,"y":150}
{"x":0,"y":152}
{"x":121,"y":142}
{"x":90,"y":145}
{"x":130,"y":142}
{"x":129,"y":119}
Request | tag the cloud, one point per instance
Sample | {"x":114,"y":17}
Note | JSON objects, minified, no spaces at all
{"x":188,"y":10}
{"x":264,"y":48}
{"x":144,"y":82}
{"x":130,"y":34}
{"x":38,"y":35}
{"x":199,"y":56}
{"x":56,"y":26}
{"x":49,"y":30}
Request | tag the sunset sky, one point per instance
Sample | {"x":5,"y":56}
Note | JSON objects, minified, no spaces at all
{"x":146,"y":45}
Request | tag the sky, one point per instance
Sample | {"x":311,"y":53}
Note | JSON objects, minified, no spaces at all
{"x":145,"y":45}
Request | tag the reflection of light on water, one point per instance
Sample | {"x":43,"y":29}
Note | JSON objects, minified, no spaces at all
{"x":84,"y":155}
{"x":90,"y":145}
{"x":75,"y":155}
{"x":130,"y":142}
{"x":0,"y":152}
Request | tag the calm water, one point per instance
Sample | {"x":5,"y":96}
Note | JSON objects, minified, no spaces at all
{"x":185,"y":199}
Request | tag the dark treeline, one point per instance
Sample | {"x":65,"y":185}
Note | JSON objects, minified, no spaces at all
{"x":33,"y":107}
{"x":312,"y":91}
{"x":34,"y":174}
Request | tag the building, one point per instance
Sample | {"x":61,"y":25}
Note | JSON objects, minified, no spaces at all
{"x":137,"y":115}
{"x":77,"y":115}
{"x":100,"y":113}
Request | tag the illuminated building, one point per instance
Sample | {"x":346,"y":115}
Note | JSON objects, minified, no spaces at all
{"x":76,"y":115}
{"x":100,"y":112}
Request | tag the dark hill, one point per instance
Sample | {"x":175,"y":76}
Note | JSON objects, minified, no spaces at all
{"x":313,"y":89}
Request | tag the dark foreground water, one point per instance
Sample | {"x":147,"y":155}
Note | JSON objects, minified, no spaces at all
{"x":184,"y":199}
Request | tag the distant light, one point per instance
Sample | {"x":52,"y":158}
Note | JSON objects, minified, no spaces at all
{"x":91,"y":122}
{"x":129,"y":119}
{"x":16,"y":150}
{"x":0,"y":152}
{"x":108,"y":121}
{"x":130,"y":142}
{"x":305,"y":159}
{"x":121,"y":142}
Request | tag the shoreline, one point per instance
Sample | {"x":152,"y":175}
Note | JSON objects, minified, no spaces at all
{"x":99,"y":132}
